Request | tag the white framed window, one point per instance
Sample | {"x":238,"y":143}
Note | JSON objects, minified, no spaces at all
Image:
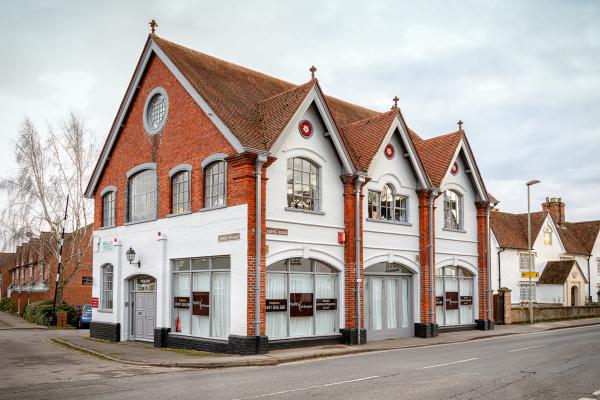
{"x":547,"y":236}
{"x":453,"y":210}
{"x":106,"y":287}
{"x":598,"y":265}
{"x":181,"y":192}
{"x":142,"y":196}
{"x":387,"y":205}
{"x":454,"y":291}
{"x":524,"y":290}
{"x":156,"y":110}
{"x":201,"y":296}
{"x":215,"y":175}
{"x":302,"y":184}
{"x":108,"y":209}
{"x":523,"y":261}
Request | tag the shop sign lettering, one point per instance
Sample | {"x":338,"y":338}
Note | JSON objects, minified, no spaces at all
{"x":451,"y":300}
{"x":200,"y":303}
{"x":277,"y":231}
{"x":466,"y":300}
{"x":276,"y":305}
{"x":229,"y":237}
{"x":94,"y":302}
{"x":182,"y":302}
{"x":439,"y":300}
{"x":301,"y":304}
{"x":106,"y":245}
{"x":326,"y":304}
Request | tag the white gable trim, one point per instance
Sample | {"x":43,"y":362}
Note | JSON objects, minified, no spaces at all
{"x":150,"y":48}
{"x":398,"y":123}
{"x":315,"y":96}
{"x":548,"y":221}
{"x":474,"y":174}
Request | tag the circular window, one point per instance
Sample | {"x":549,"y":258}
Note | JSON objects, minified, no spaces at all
{"x":155,"y":110}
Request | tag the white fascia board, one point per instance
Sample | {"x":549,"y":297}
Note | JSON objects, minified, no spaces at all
{"x":152,"y":47}
{"x":474,"y":175}
{"x":315,"y":96}
{"x":424,"y":182}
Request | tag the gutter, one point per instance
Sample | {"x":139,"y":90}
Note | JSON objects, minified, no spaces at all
{"x":589,"y":280}
{"x":357,"y":190}
{"x":260,"y":161}
{"x":432,"y":196}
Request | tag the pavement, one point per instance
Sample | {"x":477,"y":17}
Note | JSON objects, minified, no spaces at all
{"x":10,"y":321}
{"x":145,"y":354}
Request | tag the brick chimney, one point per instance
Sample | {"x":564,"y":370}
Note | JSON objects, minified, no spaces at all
{"x":556,"y":208}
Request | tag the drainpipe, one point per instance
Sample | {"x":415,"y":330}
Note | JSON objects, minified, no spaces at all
{"x":500,"y":269}
{"x":260,"y":160}
{"x":589,"y":281}
{"x":357,"y":189}
{"x":488,"y":263}
{"x":434,"y":195}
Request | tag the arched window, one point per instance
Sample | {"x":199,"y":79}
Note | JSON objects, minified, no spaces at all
{"x":453,"y":210}
{"x":547,"y":236}
{"x":106,"y":287}
{"x":387,"y":205}
{"x":108,"y":209}
{"x":142,"y":196}
{"x":181,"y":192}
{"x":302,"y":184}
{"x":214,"y":184}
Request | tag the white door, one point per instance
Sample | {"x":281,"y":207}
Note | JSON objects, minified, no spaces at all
{"x":387,"y":302}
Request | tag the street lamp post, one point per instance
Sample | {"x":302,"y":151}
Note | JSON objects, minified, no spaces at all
{"x":529,"y":185}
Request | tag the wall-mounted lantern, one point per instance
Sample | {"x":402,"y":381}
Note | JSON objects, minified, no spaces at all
{"x":130,"y":254}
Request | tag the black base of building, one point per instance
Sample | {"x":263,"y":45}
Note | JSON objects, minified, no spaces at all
{"x":282,"y":344}
{"x":424,"y":330}
{"x":485,"y":324}
{"x":105,"y":331}
{"x":247,"y":345}
{"x":350,"y":336}
{"x":457,"y":328}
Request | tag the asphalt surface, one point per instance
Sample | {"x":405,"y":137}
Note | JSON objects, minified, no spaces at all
{"x":560,"y":364}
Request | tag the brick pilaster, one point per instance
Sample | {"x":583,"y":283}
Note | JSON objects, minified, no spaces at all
{"x":426,"y":283}
{"x":482,"y":259}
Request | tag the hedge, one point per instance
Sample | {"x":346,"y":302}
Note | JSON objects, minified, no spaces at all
{"x":39,"y":312}
{"x":7,"y":305}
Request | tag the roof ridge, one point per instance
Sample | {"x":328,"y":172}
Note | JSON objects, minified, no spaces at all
{"x":312,"y":81}
{"x":382,"y":114}
{"x":444,"y":136}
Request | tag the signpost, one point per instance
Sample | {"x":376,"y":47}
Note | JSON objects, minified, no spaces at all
{"x":530,"y":274}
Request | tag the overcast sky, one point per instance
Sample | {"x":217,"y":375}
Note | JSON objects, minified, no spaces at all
{"x":523,"y":75}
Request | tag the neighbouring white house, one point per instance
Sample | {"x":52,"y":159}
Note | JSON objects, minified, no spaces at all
{"x":553,"y":239}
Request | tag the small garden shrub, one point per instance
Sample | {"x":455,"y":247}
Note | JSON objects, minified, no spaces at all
{"x":7,"y":305}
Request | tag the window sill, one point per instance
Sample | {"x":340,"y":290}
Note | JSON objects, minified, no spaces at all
{"x":178,"y":214}
{"x":385,"y":221}
{"x":300,"y":210}
{"x":104,"y":311}
{"x":454,"y":230}
{"x":210,"y":209}
{"x":139,"y":222}
{"x":102,"y":228}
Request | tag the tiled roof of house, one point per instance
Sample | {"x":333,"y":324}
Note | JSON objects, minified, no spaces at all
{"x":557,"y":272}
{"x":587,"y":233}
{"x":571,"y":240}
{"x":510,"y":230}
{"x":437,"y":153}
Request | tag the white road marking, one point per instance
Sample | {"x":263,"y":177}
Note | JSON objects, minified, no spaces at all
{"x":450,"y":363}
{"x":310,"y":387}
{"x":527,"y":348}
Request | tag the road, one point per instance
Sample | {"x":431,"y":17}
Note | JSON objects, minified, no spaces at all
{"x":560,"y":364}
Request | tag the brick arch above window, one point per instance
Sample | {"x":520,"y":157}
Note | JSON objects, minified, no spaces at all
{"x":212,"y":158}
{"x":140,"y":167}
{"x":108,"y":189}
{"x":179,"y":168}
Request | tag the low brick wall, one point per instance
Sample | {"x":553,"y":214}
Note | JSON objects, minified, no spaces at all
{"x":520,"y":314}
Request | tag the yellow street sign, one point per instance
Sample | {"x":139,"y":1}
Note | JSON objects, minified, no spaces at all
{"x":532,"y":274}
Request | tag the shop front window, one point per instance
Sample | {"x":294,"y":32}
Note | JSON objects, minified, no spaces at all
{"x":201,"y":295}
{"x":301,"y":298}
{"x":454,"y":291}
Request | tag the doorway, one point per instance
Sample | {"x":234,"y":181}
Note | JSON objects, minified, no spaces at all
{"x":388,"y":301}
{"x":142,"y":295}
{"x":574,"y":296}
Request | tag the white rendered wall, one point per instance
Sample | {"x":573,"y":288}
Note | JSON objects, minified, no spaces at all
{"x":191,"y":235}
{"x":310,"y":235}
{"x":550,"y":294}
{"x":392,"y":242}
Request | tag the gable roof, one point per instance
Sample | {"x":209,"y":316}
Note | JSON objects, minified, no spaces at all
{"x":586,"y":232}
{"x":557,"y":272}
{"x":437,"y":153}
{"x":510,"y":230}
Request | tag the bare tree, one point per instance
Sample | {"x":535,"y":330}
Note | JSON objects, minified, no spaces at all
{"x":50,"y":168}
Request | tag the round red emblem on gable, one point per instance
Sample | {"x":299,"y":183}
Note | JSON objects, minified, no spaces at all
{"x":389,"y":151}
{"x":305,"y":128}
{"x":454,"y":169}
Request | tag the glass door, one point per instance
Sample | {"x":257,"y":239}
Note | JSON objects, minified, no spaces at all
{"x":387,"y":305}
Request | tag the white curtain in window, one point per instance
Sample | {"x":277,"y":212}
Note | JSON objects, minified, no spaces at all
{"x":405,"y":302}
{"x":301,"y":326}
{"x":377,"y":303}
{"x":201,"y":323}
{"x":182,"y":289}
{"x":276,"y":321}
{"x":391,"y":303}
{"x":220,"y":307}
{"x":451,"y":315}
{"x":466,"y":312}
{"x":325,"y":289}
{"x":439,"y":292}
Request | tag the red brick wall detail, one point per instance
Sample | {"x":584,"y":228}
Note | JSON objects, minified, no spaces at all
{"x":426,"y":284}
{"x":482,"y":258}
